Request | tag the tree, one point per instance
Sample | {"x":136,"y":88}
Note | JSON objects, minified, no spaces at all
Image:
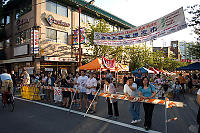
{"x":100,"y":50}
{"x":194,"y":50}
{"x":195,"y":19}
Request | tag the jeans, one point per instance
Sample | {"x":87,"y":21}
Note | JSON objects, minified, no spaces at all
{"x":134,"y":109}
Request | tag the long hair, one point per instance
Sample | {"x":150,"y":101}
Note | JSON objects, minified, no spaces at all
{"x":147,"y":82}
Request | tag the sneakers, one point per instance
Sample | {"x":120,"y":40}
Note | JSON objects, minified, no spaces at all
{"x":135,"y":121}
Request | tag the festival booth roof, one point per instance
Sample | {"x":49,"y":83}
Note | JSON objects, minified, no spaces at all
{"x":97,"y":64}
{"x":143,"y":70}
{"x":191,"y":67}
{"x":155,"y":71}
{"x":93,"y":65}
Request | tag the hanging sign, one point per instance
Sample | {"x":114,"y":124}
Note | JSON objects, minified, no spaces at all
{"x":163,"y":26}
{"x":76,"y":36}
{"x":108,"y":63}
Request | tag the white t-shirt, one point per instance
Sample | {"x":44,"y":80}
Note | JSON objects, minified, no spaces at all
{"x":91,"y":82}
{"x":26,"y":79}
{"x":198,"y":92}
{"x":176,"y":86}
{"x":82,"y":83}
{"x":128,"y":90}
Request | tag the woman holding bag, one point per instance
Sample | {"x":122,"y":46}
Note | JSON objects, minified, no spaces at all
{"x":147,"y":91}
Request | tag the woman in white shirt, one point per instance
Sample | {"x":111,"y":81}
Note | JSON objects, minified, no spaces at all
{"x":109,"y":88}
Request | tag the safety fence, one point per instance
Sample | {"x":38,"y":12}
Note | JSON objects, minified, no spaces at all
{"x":33,"y":93}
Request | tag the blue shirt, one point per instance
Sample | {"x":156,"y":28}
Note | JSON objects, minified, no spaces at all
{"x":147,"y":92}
{"x":5,"y":76}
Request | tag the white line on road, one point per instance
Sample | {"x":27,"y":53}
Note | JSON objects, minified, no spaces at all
{"x":91,"y":116}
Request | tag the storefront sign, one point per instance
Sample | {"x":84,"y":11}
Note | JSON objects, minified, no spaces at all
{"x":35,"y":41}
{"x":60,"y":59}
{"x":168,"y":24}
{"x":29,"y":69}
{"x":18,"y":60}
{"x":21,"y":22}
{"x":50,"y":19}
{"x":54,"y":49}
{"x":21,"y":50}
{"x":49,"y":69}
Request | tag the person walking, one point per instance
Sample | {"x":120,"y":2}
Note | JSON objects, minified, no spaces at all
{"x":130,"y":90}
{"x":109,"y":88}
{"x":198,"y":115}
{"x":147,"y":91}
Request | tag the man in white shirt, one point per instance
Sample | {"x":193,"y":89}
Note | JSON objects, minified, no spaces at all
{"x":81,"y":82}
{"x":130,"y":89}
{"x":6,"y":80}
{"x":91,"y":87}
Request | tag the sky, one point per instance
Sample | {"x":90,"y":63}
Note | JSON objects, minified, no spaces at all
{"x":139,"y":12}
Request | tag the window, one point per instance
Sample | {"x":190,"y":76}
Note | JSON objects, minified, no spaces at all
{"x":7,"y":43}
{"x":7,"y":19}
{"x":56,"y":8}
{"x":56,"y":36}
{"x":2,"y":21}
{"x":51,"y":6}
{"x":1,"y":45}
{"x":83,"y":18}
{"x":51,"y":34}
{"x":23,"y":37}
{"x":90,"y":20}
{"x":62,"y":37}
{"x":61,"y":10}
{"x":17,"y":15}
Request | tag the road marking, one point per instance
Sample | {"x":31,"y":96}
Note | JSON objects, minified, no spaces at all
{"x":91,"y":116}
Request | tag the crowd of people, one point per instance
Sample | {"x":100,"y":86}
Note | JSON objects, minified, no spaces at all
{"x":138,"y":85}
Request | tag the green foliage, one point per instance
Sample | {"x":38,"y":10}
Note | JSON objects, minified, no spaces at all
{"x":194,"y":50}
{"x":99,"y":51}
{"x":194,"y":11}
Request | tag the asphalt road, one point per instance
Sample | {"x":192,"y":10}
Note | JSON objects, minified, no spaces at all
{"x":29,"y":117}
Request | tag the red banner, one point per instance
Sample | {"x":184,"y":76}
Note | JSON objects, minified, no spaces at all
{"x":108,"y":63}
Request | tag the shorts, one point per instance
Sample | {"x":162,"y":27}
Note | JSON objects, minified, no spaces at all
{"x":66,"y":94}
{"x":90,"y":97}
{"x":83,"y":95}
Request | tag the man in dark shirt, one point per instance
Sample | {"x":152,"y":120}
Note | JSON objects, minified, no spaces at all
{"x":14,"y":79}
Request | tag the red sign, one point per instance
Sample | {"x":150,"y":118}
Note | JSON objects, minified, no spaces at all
{"x":108,"y":63}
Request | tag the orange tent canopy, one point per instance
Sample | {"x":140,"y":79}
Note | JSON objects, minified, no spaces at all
{"x":93,"y":65}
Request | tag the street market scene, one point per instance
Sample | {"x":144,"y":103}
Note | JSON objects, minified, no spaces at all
{"x":99,"y":66}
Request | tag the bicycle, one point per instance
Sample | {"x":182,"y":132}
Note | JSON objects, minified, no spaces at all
{"x":8,"y":101}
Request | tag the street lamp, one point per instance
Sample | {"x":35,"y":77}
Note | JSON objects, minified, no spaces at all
{"x":79,"y":29}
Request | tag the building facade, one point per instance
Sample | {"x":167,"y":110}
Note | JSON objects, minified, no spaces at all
{"x":39,"y":34}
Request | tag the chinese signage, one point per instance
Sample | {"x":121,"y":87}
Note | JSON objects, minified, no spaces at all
{"x":22,"y":22}
{"x":35,"y":41}
{"x":50,"y":19}
{"x":168,"y":24}
{"x":59,"y":59}
{"x":76,"y":36}
{"x":108,"y":63}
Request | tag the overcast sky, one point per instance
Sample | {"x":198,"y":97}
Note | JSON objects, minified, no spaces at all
{"x":139,"y":12}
